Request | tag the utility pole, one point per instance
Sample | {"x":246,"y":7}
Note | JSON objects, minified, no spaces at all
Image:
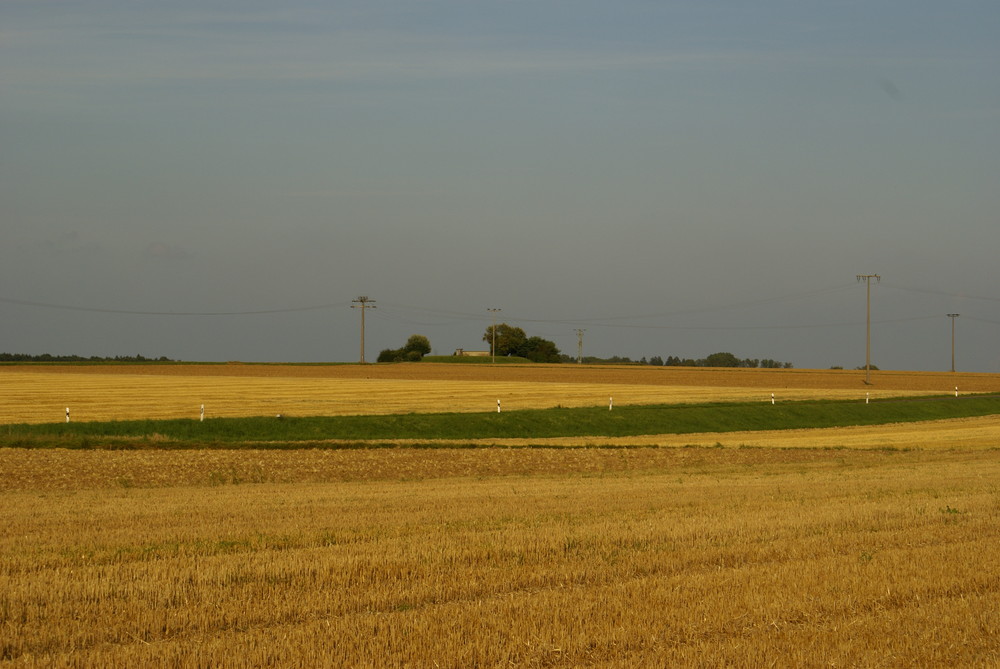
{"x":867,"y":278}
{"x":363,"y":302}
{"x":953,"y":317}
{"x":493,"y":346}
{"x":579,"y":345}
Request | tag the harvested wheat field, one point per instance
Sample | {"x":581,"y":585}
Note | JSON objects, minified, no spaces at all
{"x":41,"y":394}
{"x":856,"y":546}
{"x":498,"y":557}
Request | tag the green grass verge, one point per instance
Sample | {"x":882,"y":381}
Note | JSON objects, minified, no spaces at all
{"x":622,"y":422}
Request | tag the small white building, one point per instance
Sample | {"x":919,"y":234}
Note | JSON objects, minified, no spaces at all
{"x":461,"y":352}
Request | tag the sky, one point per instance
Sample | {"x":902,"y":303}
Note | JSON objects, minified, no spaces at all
{"x":214,"y":181}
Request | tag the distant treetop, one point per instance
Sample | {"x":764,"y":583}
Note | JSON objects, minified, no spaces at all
{"x":47,"y":357}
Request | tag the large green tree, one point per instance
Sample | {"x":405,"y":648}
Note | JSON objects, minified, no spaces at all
{"x":509,"y":339}
{"x":723,"y":359}
{"x":419,"y":344}
{"x":537,"y":349}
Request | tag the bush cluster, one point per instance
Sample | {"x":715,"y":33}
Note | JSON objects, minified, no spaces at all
{"x":416,"y":347}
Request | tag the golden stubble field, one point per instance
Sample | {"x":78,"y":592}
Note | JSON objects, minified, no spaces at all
{"x":499,"y":557}
{"x":33,"y":394}
{"x":849,"y":547}
{"x":42,"y":393}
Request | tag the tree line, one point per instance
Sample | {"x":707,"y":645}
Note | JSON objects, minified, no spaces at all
{"x":722,"y":359}
{"x":510,"y":340}
{"x":47,"y":357}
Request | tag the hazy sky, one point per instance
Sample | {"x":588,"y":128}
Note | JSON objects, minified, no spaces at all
{"x":676,"y":178}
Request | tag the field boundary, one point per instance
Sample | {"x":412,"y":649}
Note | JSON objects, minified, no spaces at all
{"x":512,"y":427}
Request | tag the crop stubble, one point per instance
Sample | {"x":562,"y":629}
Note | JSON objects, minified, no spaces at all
{"x":653,"y":557}
{"x":482,"y":557}
{"x":33,"y":394}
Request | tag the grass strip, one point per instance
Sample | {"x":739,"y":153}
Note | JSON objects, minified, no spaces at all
{"x":624,"y":421}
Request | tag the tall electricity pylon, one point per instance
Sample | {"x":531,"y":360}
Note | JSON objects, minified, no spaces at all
{"x":579,"y":345}
{"x":868,"y":325}
{"x":363,"y":302}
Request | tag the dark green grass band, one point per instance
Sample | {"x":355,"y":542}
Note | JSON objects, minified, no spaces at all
{"x":623,"y":421}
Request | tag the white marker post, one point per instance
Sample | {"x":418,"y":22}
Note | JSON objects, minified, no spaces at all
{"x":772,"y":398}
{"x":67,"y":414}
{"x":202,"y":413}
{"x":498,"y":406}
{"x":866,"y":397}
{"x":611,"y":403}
{"x":956,"y":391}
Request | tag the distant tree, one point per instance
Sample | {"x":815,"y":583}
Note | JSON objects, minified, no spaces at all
{"x":656,"y":361}
{"x":537,"y":349}
{"x":416,"y":347}
{"x":510,"y":340}
{"x":418,"y":344}
{"x":48,"y":357}
{"x":722,"y":360}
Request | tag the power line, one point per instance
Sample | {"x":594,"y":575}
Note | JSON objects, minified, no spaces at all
{"x":685,"y":312}
{"x":929,"y":291}
{"x":137,"y":312}
{"x":980,"y":320}
{"x":663,"y":314}
{"x":640,"y":326}
{"x":458,"y":316}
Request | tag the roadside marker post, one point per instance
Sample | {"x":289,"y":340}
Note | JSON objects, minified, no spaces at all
{"x":202,"y":413}
{"x":611,"y":403}
{"x":67,"y":414}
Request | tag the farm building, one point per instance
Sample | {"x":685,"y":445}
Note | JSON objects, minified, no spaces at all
{"x":461,"y":352}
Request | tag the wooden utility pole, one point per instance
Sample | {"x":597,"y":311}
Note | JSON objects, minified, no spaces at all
{"x":493,"y":346}
{"x":868,"y":325}
{"x":363,"y":302}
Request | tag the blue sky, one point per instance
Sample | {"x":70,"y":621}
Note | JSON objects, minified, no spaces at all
{"x":676,"y":178}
